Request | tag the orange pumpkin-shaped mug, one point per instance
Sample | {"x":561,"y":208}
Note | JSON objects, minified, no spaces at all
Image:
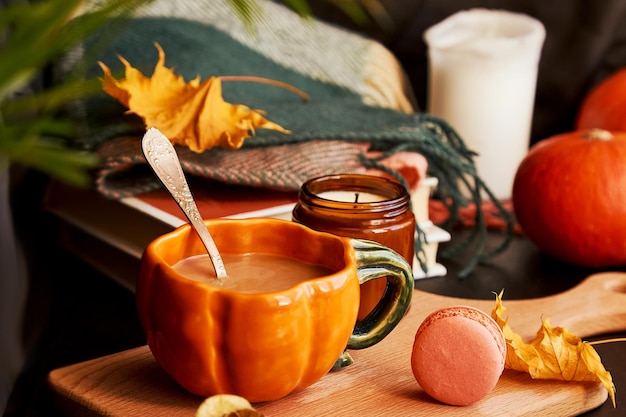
{"x":264,"y":345}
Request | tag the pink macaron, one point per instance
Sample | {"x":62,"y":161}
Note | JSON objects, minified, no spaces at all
{"x":458,"y":355}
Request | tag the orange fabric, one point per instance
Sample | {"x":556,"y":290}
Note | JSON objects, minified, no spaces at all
{"x":439,"y":213}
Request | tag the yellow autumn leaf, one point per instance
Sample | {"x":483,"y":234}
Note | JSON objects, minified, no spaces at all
{"x":192,"y":114}
{"x":554,"y":353}
{"x":226,"y":405}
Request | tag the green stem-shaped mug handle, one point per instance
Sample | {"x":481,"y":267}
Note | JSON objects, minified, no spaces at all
{"x":376,"y":261}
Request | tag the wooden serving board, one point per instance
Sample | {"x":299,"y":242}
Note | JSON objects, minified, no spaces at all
{"x":380,"y":382}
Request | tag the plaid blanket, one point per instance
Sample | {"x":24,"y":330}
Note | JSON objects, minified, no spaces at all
{"x":359,"y":102}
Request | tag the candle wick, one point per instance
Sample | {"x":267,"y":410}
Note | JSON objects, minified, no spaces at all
{"x":356,"y":197}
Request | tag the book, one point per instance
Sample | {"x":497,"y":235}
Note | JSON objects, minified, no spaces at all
{"x":111,"y":234}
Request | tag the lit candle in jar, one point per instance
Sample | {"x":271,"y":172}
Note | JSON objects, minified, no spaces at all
{"x":362,"y":207}
{"x":351,"y":196}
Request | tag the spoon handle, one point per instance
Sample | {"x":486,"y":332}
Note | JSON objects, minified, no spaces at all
{"x":162,"y":157}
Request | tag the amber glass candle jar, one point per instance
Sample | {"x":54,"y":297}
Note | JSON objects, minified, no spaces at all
{"x":364,"y":207}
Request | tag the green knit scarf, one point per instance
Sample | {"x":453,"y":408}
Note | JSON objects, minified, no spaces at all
{"x":334,"y":112}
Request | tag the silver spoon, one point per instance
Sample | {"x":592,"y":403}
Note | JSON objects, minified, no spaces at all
{"x":162,"y":157}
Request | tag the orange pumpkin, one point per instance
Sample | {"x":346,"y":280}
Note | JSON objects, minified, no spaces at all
{"x":569,"y":196}
{"x":605,"y":105}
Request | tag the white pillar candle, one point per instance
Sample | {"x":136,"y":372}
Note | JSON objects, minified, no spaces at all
{"x":482,"y":81}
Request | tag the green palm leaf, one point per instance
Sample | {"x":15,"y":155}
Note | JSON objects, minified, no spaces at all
{"x":33,"y":131}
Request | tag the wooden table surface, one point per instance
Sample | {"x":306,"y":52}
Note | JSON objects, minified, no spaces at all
{"x":380,"y":383}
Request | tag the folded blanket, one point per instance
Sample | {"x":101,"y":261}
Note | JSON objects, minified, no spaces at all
{"x":358,"y":104}
{"x":280,"y":167}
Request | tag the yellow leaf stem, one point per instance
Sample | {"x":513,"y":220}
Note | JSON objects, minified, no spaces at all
{"x":263,"y":80}
{"x":603,"y":341}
